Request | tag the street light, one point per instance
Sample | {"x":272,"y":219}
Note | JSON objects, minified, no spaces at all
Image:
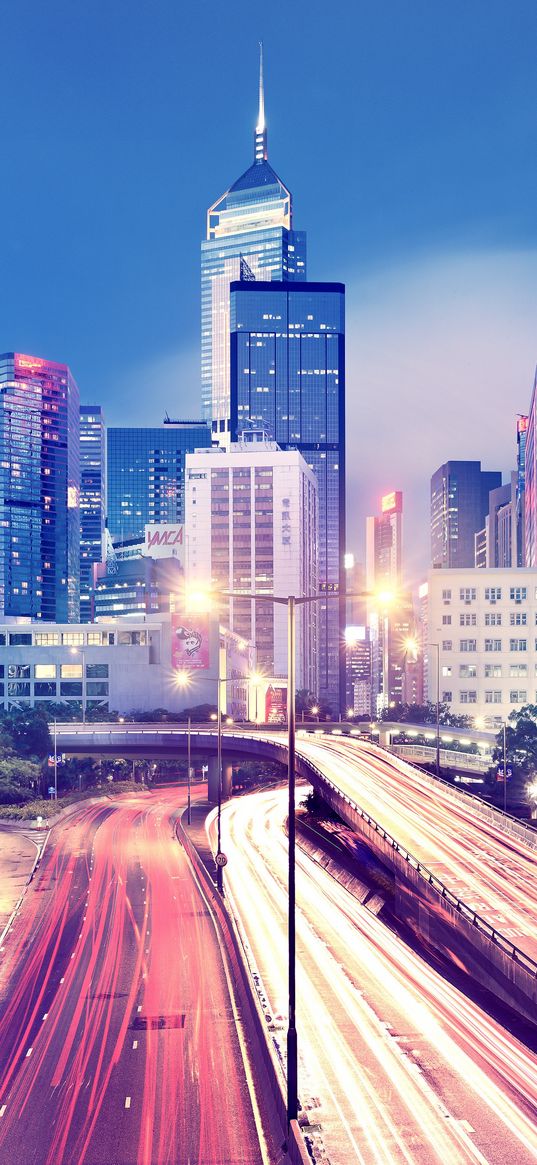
{"x":79,"y":651}
{"x":183,"y":679}
{"x":255,"y":680}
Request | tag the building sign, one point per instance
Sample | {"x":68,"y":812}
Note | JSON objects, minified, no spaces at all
{"x":190,"y":642}
{"x":392,"y":502}
{"x":164,"y":540}
{"x":276,"y":704}
{"x":28,"y":364}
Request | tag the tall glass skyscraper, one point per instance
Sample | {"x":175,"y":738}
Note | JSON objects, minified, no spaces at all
{"x":146,"y":474}
{"x":39,"y":489}
{"x":288,"y":377}
{"x":92,"y":500}
{"x":249,"y":236}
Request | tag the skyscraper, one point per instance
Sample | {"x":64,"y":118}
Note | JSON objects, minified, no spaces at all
{"x":384,"y":544}
{"x":288,"y":376}
{"x":459,"y":503}
{"x":92,"y":500}
{"x":249,"y":236}
{"x":39,"y":489}
{"x":145,"y":473}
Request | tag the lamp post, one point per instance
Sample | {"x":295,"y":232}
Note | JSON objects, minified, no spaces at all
{"x":504,"y":767}
{"x":183,"y":680}
{"x":55,"y":762}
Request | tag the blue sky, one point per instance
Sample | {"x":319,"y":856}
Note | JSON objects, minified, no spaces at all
{"x":407,"y":133}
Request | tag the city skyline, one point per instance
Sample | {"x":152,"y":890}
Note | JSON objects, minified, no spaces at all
{"x":438,"y":253}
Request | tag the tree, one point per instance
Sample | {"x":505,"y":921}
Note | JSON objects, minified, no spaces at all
{"x":424,"y":714}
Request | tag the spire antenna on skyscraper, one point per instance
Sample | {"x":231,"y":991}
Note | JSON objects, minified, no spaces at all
{"x":260,"y":150}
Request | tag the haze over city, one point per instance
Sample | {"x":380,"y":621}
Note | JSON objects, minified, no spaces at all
{"x":406,"y":136}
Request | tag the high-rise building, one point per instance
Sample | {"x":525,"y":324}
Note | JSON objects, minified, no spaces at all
{"x":249,"y":236}
{"x":496,"y":544}
{"x":521,"y":435}
{"x":251,"y":516}
{"x":384,"y":544}
{"x":146,"y":474}
{"x":288,"y":376}
{"x":459,"y":504}
{"x":39,"y":489}
{"x":92,"y":500}
{"x":390,"y":619}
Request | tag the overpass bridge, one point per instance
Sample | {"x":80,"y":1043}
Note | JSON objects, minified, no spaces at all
{"x":465,"y":875}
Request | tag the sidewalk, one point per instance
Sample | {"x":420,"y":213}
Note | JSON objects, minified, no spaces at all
{"x":17,"y":856}
{"x":196,"y":833}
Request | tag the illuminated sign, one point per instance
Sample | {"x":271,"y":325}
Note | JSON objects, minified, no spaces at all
{"x":190,"y":642}
{"x":27,"y":364}
{"x":163,"y":540}
{"x":276,"y":704}
{"x":522,"y":424}
{"x":392,"y":501}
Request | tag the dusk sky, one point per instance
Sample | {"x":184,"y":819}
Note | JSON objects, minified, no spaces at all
{"x":407,"y":133}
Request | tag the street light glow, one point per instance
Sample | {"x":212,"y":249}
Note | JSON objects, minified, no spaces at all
{"x":183,"y":678}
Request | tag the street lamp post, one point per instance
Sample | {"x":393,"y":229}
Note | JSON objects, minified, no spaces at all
{"x":504,"y":767}
{"x":189,"y":811}
{"x":55,"y":762}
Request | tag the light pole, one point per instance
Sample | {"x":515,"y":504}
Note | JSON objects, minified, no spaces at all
{"x":55,"y":762}
{"x":504,"y":767}
{"x":183,"y":680}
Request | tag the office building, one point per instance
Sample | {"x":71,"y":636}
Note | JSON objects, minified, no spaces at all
{"x":484,"y":624}
{"x":530,"y":466}
{"x":146,"y":474}
{"x":497,"y":544}
{"x":250,"y":235}
{"x":459,"y":504}
{"x":288,"y":376}
{"x":251,"y":516}
{"x":135,"y":586}
{"x":521,"y":435}
{"x":358,"y":671}
{"x":124,"y":665}
{"x":390,"y":617}
{"x":39,"y":489}
{"x":92,"y":499}
{"x":384,"y":544}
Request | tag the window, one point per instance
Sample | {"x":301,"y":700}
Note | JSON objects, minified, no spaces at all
{"x":97,"y":671}
{"x":467,"y":620}
{"x":493,"y":645}
{"x":45,"y":671}
{"x":518,"y":670}
{"x":18,"y":671}
{"x":493,"y":697}
{"x":20,"y":639}
{"x":518,"y":593}
{"x":447,"y":697}
{"x":447,"y":670}
{"x":73,"y":638}
{"x":493,"y":619}
{"x":70,"y":689}
{"x":467,"y":671}
{"x":447,"y":644}
{"x":71,"y":671}
{"x":518,"y":645}
{"x":3,"y":638}
{"x":493,"y":671}
{"x":95,"y":638}
{"x":518,"y":618}
{"x":468,"y":696}
{"x":45,"y":689}
{"x":468,"y":645}
{"x":493,"y":594}
{"x":132,"y":637}
{"x":467,"y":594}
{"x":18,"y":689}
{"x":446,"y":595}
{"x":46,"y":639}
{"x":97,"y":688}
{"x":446,"y":620}
{"x":518,"y":696}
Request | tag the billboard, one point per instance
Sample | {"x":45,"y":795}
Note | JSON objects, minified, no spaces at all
{"x":190,"y":641}
{"x":164,"y":540}
{"x":276,"y":704}
{"x":392,"y":502}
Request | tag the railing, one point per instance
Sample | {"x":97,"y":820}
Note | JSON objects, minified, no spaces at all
{"x":423,"y":871}
{"x":449,"y":757}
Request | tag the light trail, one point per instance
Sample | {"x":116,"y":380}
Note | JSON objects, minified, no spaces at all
{"x":396,"y":1064}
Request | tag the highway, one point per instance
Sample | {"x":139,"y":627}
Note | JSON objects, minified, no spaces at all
{"x":396,"y":1065}
{"x":119,"y":1040}
{"x":492,"y":872}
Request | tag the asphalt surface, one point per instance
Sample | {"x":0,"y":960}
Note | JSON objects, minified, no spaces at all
{"x":119,"y":1041}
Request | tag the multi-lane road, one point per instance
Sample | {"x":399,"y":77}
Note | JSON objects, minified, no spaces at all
{"x":396,"y":1065}
{"x":119,"y":1040}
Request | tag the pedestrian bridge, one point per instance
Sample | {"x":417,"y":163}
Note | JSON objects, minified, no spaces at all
{"x":429,"y":904}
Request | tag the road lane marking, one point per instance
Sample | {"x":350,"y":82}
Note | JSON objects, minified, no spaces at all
{"x":135,"y":1044}
{"x":127,"y":1102}
{"x":29,"y":1052}
{"x":45,"y":1015}
{"x":61,"y":980}
{"x":3,"y":1109}
{"x":139,"y":1008}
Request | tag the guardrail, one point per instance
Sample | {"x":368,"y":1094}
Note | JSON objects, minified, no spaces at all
{"x":449,"y":757}
{"x":443,"y":891}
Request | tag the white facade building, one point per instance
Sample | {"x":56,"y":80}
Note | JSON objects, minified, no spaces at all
{"x":485,"y":624}
{"x":251,"y":522}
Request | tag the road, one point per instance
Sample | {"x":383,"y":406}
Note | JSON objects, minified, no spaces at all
{"x":396,"y":1065}
{"x":491,"y":871}
{"x":119,"y":1041}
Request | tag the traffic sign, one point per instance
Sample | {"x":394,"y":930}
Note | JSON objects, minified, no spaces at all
{"x":221,"y":860}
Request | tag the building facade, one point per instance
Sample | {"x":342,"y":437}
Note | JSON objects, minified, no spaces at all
{"x":92,"y":499}
{"x":249,"y":236}
{"x":530,"y":467}
{"x":39,"y":489}
{"x":459,"y":504}
{"x":485,"y":625}
{"x":135,"y":586}
{"x":384,"y":544}
{"x":251,"y":517}
{"x":288,"y":376}
{"x":146,"y":474}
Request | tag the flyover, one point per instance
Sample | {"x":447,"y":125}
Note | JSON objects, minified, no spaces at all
{"x":462,"y":906}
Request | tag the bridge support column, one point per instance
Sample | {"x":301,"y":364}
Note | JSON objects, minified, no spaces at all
{"x":212,"y":787}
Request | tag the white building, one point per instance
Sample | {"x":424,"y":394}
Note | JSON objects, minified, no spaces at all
{"x":251,"y":522}
{"x":124,"y":665}
{"x":485,"y":625}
